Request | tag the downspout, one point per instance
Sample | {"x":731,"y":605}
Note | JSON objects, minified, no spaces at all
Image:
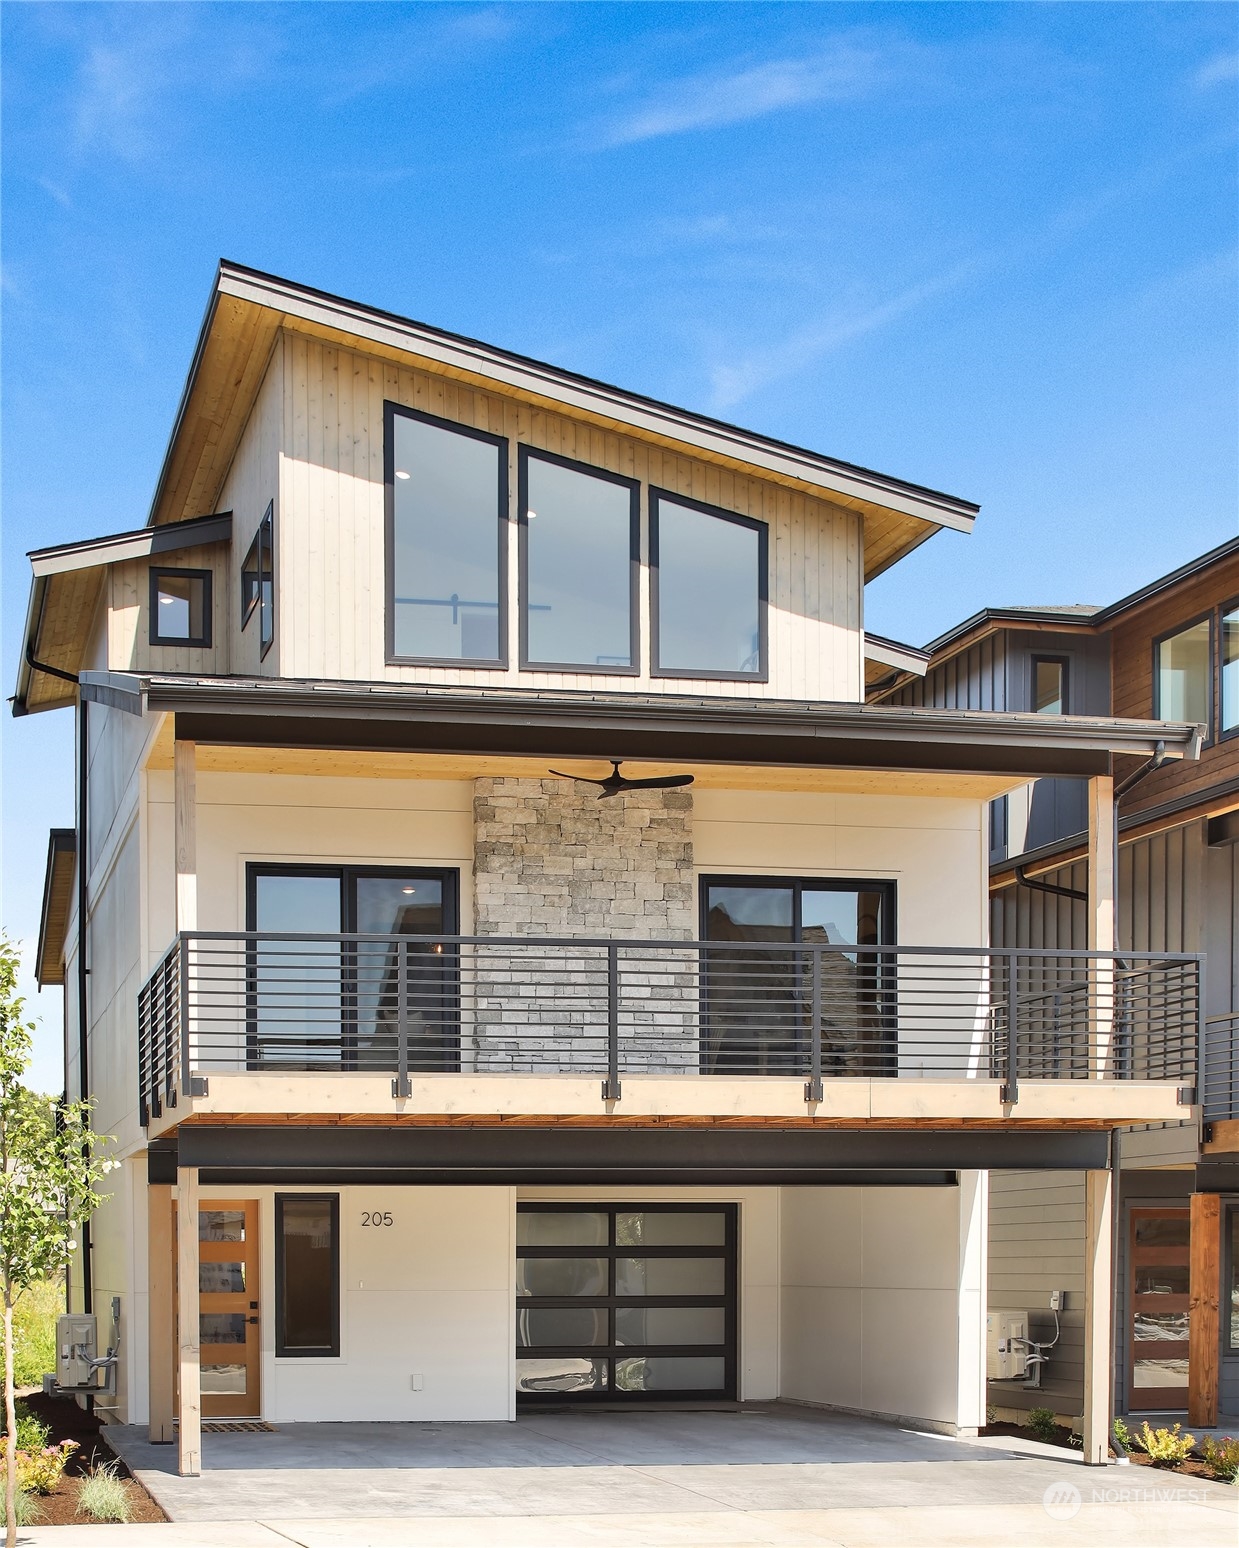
{"x":83,"y":1022}
{"x":1155,"y":762}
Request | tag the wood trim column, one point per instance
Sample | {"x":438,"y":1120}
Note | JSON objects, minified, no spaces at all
{"x":189,"y":1437}
{"x":1102,"y":915}
{"x":1098,"y":1314}
{"x":185,"y":801}
{"x":161,"y":1314}
{"x":1204,"y":1292}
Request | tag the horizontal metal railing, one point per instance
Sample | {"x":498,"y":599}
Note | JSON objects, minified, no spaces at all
{"x":553,"y":1006}
{"x":1219,"y":1068}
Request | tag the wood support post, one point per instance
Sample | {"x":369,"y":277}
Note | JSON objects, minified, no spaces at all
{"x":1204,"y":1290}
{"x":1098,"y":1314}
{"x":185,"y":799}
{"x":1102,"y":917}
{"x":161,"y":1314}
{"x":189,"y":1437}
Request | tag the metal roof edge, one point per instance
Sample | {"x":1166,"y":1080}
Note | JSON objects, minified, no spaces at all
{"x":60,"y":841}
{"x":114,"y":547}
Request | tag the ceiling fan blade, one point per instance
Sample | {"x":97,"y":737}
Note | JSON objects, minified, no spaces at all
{"x":666,"y":782}
{"x":584,"y":778}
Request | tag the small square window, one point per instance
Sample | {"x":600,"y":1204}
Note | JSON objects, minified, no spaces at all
{"x":180,"y":607}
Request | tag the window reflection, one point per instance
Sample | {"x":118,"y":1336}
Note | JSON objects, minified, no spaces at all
{"x":710,"y":579}
{"x":1183,"y":675}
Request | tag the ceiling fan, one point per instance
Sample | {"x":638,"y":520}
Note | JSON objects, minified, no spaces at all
{"x":616,"y":783}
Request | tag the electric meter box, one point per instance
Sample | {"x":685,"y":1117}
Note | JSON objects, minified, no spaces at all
{"x":1006,"y":1359}
{"x":77,"y":1344}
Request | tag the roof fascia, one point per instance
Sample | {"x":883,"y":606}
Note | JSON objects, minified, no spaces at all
{"x":893,"y":653}
{"x":1185,"y":572}
{"x":141,"y":544}
{"x":454,"y":351}
{"x":60,"y":841}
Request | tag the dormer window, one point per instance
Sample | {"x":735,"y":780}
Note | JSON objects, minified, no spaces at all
{"x":1049,"y":685}
{"x":708,"y":571}
{"x":447,"y":503}
{"x":180,"y":607}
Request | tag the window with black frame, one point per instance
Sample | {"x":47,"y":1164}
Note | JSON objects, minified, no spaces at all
{"x":258,"y":581}
{"x":1229,"y":669}
{"x":708,"y":577}
{"x":447,"y":540}
{"x":307,"y":1275}
{"x":1183,"y":675}
{"x":345,"y":961}
{"x":579,"y":537}
{"x":758,"y":975}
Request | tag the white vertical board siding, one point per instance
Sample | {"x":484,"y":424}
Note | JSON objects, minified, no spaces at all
{"x":129,"y":615}
{"x":251,"y":485}
{"x":331,"y":541}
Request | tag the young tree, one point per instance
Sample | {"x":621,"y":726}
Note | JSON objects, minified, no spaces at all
{"x":51,"y":1163}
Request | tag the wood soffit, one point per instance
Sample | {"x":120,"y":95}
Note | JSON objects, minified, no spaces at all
{"x":249,"y":310}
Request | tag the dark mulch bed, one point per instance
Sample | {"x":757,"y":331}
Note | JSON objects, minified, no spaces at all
{"x":1192,"y":1468}
{"x":69,"y":1422}
{"x":1061,"y":1436}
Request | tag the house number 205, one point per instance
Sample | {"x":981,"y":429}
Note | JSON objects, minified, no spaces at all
{"x":376,"y":1217}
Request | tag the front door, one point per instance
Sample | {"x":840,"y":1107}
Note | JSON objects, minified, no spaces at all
{"x":228,"y":1308}
{"x":625,"y":1303}
{"x":1159,"y":1259}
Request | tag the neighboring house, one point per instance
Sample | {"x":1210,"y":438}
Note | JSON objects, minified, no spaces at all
{"x":487,"y":1086}
{"x":1170,"y":650}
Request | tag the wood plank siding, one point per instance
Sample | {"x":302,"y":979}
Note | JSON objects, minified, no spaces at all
{"x":331,"y":549}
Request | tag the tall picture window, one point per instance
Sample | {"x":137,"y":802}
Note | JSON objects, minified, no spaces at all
{"x":708,"y":571}
{"x":1183,"y":672}
{"x":1049,"y":685}
{"x":307,"y":1274}
{"x":258,"y":581}
{"x":579,"y":529}
{"x":1230,"y":669}
{"x":446,"y":540}
{"x":180,"y":607}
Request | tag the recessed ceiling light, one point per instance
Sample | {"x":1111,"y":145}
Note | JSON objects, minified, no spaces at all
{"x":166,"y":601}
{"x":400,"y":473}
{"x":408,"y":891}
{"x":531,"y":514}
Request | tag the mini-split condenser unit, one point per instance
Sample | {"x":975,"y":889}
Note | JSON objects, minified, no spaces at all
{"x":1006,"y":1345}
{"x":77,"y":1344}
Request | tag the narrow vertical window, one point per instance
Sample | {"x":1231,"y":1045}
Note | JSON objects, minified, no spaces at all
{"x":708,"y":571}
{"x":180,"y":607}
{"x":1230,"y":669}
{"x":579,"y":555}
{"x":266,"y":581}
{"x":1183,"y":671}
{"x":307,"y":1272}
{"x":447,"y":524}
{"x":1049,"y":685}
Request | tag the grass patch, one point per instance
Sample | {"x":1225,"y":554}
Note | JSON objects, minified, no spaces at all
{"x":104,"y":1496}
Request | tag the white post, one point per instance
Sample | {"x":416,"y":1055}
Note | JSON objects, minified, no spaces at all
{"x":1098,"y":1314}
{"x":1102,"y":920}
{"x":189,"y":1438}
{"x":185,"y":795}
{"x":973,"y":1266}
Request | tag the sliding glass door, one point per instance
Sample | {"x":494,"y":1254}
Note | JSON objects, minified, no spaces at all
{"x":379,"y":964}
{"x":758,"y":981}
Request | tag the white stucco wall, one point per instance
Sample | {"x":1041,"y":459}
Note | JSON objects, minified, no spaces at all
{"x":883,"y":1300}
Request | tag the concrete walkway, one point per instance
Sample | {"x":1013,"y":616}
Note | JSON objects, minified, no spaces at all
{"x":782,"y":1476}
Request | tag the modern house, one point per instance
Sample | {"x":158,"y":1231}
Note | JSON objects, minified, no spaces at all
{"x":1170,"y":651}
{"x":496,"y":921}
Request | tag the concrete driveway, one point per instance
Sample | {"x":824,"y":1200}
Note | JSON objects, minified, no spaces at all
{"x":775,"y":1475}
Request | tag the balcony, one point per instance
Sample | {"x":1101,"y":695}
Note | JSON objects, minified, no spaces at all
{"x":244,"y":1022}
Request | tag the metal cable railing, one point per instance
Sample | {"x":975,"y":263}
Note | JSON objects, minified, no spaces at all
{"x":1219,"y":1068}
{"x":404,"y":1005}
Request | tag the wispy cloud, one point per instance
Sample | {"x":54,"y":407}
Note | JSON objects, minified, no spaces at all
{"x":1218,"y":71}
{"x":733,"y":381}
{"x":709,"y":100}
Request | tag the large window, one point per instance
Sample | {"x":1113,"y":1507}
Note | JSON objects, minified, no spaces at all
{"x":759,"y":997}
{"x":1183,"y":674}
{"x":447,"y":523}
{"x":258,"y":581}
{"x":307,"y":1274}
{"x":708,"y":571}
{"x":1230,"y":669}
{"x":180,"y":607}
{"x":579,"y":531}
{"x":328,"y":1004}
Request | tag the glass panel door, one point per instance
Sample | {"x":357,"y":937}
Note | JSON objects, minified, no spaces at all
{"x":412,"y":905}
{"x":627,"y":1304}
{"x":1158,"y":1309}
{"x":228,"y":1307}
{"x":857,"y":986}
{"x":296,"y":987}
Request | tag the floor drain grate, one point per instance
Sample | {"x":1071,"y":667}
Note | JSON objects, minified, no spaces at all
{"x":238,"y":1427}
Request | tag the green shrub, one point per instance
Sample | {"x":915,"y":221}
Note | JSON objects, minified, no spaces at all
{"x":32,"y":1434}
{"x":38,"y":1472}
{"x":1123,"y":1437}
{"x":1222,"y":1455}
{"x":1166,"y":1448}
{"x":104,"y":1496}
{"x":1042,"y":1423}
{"x":34,"y":1331}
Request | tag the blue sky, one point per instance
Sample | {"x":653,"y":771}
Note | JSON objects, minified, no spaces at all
{"x":990,"y":248}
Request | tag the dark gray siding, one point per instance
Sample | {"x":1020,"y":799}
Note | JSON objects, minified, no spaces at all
{"x":975,"y":679}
